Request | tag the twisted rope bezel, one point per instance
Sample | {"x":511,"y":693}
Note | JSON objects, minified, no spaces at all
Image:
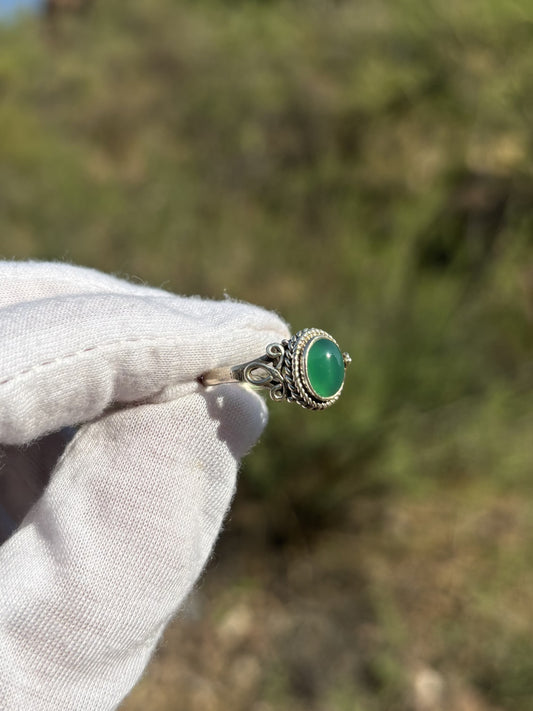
{"x":294,"y":370}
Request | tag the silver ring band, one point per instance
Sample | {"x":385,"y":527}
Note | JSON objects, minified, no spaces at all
{"x":309,"y":368}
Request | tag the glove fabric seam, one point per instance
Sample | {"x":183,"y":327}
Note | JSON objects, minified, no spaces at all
{"x":81,"y":351}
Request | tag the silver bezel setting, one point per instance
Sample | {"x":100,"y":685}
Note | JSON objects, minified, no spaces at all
{"x":294,"y":369}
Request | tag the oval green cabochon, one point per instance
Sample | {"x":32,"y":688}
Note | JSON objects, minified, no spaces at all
{"x":325,"y":367}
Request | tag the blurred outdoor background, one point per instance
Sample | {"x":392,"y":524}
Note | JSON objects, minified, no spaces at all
{"x":365,"y":167}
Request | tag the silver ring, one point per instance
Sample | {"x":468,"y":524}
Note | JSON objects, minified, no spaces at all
{"x":309,"y":368}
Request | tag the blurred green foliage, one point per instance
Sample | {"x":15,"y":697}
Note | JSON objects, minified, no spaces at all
{"x":360,"y":167}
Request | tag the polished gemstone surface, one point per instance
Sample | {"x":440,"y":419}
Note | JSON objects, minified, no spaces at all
{"x":325,"y":367}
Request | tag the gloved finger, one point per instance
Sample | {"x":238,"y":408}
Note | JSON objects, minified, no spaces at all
{"x":121,"y":533}
{"x":65,"y":360}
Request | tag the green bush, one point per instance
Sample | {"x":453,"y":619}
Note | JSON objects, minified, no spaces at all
{"x":366,"y":169}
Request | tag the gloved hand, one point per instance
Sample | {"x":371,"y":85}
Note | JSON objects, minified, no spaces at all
{"x":103,"y":558}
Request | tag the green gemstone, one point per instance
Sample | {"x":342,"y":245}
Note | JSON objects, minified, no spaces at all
{"x":325,"y":367}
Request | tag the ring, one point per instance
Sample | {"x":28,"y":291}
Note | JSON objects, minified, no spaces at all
{"x":308,"y":368}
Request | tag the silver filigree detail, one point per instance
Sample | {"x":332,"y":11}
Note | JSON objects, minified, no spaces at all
{"x":265,"y":371}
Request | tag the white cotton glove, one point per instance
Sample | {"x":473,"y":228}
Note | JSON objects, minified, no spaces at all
{"x":104,"y":558}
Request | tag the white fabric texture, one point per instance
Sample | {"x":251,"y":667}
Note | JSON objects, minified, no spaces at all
{"x":106,"y":554}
